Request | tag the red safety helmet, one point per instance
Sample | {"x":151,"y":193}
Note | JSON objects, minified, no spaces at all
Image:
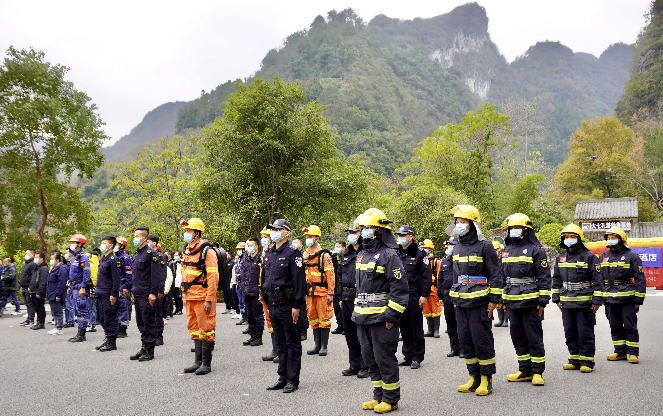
{"x":122,"y":241}
{"x":241,"y":245}
{"x":78,"y":238}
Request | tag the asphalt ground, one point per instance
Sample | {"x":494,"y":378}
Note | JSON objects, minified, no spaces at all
{"x":44,"y":374}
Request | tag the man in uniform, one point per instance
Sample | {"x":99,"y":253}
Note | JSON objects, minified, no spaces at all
{"x":382,"y":297}
{"x":347,"y":281}
{"x":320,"y":284}
{"x":432,"y":307}
{"x":147,"y":278}
{"x":526,"y":294}
{"x":339,"y":247}
{"x":476,"y":291}
{"x":445,"y":281}
{"x":126,"y":281}
{"x":302,"y":322}
{"x":265,"y":242}
{"x":200,"y":280}
{"x":79,"y":279}
{"x":624,"y":286}
{"x":417,"y":270}
{"x":26,"y":273}
{"x":153,"y":242}
{"x":284,"y":290}
{"x":250,"y":287}
{"x":577,"y":290}
{"x":107,"y":292}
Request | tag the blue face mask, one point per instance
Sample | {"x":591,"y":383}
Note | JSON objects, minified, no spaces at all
{"x":570,"y":242}
{"x":177,"y":258}
{"x":336,"y":250}
{"x":136,"y":242}
{"x":402,"y":241}
{"x":66,"y":256}
{"x":613,"y":243}
{"x":367,"y":233}
{"x":102,"y":248}
{"x":353,"y":239}
{"x":310,"y":242}
{"x":461,"y":229}
{"x":250,"y":249}
{"x":449,"y":251}
{"x":116,"y":249}
{"x":515,"y":233}
{"x":264,"y":242}
{"x":275,"y":236}
{"x":239,"y":253}
{"x":188,"y":237}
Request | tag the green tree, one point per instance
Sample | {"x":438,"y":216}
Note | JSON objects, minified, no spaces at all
{"x":525,"y":193}
{"x":550,"y":234}
{"x":48,"y":132}
{"x":272,"y":155}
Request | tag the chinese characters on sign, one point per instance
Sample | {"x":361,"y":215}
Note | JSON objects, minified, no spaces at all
{"x":605,"y":225}
{"x":650,"y":256}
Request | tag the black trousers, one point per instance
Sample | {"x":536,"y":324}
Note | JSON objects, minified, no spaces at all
{"x":475,"y":330}
{"x":302,"y":322}
{"x":623,"y":320}
{"x":158,"y":305}
{"x":39,"y":307}
{"x":412,"y":329}
{"x":227,"y":298}
{"x":351,"y":336}
{"x":579,"y":332}
{"x":337,"y":310}
{"x":527,"y":337}
{"x":450,"y":319}
{"x":288,"y":343}
{"x":168,"y":304}
{"x":254,"y":312}
{"x":378,"y":349}
{"x":177,"y":298}
{"x":146,"y":319}
{"x":108,"y":316}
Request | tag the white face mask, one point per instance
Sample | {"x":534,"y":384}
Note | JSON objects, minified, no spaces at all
{"x":52,"y":262}
{"x":275,"y":236}
{"x":27,"y":257}
{"x":72,"y":247}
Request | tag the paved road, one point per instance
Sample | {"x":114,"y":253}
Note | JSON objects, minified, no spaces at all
{"x":44,"y":374}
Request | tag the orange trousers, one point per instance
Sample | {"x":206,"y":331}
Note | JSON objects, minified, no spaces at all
{"x":269,"y":321}
{"x":432,"y":308}
{"x":201,"y":326}
{"x":319,"y":313}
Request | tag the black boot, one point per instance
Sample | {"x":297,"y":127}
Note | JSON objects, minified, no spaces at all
{"x":338,"y":330}
{"x":500,"y":317}
{"x":316,"y":340}
{"x":159,"y":338}
{"x":429,"y":333}
{"x":103,"y":344}
{"x":206,"y":367}
{"x":324,"y":340}
{"x":303,"y":334}
{"x":436,"y":327}
{"x":110,"y":345}
{"x":272,"y":354}
{"x":198,"y":361}
{"x":143,"y":350}
{"x":122,"y":332}
{"x":246,"y":331}
{"x":149,"y":352}
{"x":80,"y":337}
{"x":250,"y":340}
{"x":257,"y":338}
{"x":506,"y":319}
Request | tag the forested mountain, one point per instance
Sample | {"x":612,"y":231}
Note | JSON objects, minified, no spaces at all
{"x":389,"y":83}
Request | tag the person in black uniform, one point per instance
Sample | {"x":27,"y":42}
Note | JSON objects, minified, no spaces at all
{"x":147,"y":284}
{"x":444,"y":281}
{"x":526,"y":294}
{"x":419,"y":276}
{"x":382,"y":297}
{"x":347,"y":287}
{"x":250,"y":286}
{"x":284,"y":290}
{"x":302,"y":322}
{"x":153,"y":242}
{"x":108,"y":291}
{"x":339,"y":248}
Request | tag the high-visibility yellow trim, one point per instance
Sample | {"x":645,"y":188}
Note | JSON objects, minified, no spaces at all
{"x":315,"y":321}
{"x":471,"y":360}
{"x":195,"y":333}
{"x":370,"y":266}
{"x":519,"y":259}
{"x":525,"y":357}
{"x":487,"y":362}
{"x":619,"y":342}
{"x":574,"y":357}
{"x":538,"y":359}
{"x":377,"y":383}
{"x":495,"y":290}
{"x":524,"y":296}
{"x":467,"y":259}
{"x":575,"y":298}
{"x":395,"y":306}
{"x":639,"y":295}
{"x":598,"y":293}
{"x":621,"y":264}
{"x":619,"y":294}
{"x":544,"y":292}
{"x":391,"y":386}
{"x":578,"y":264}
{"x":371,"y":310}
{"x":212,"y":270}
{"x":470,"y":295}
{"x":585,"y":358}
{"x":205,"y":335}
{"x":325,"y":323}
{"x":555,"y":291}
{"x":632,"y":344}
{"x":193,"y":272}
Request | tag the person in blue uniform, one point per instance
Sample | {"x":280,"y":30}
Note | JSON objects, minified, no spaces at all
{"x":153,"y":242}
{"x":79,"y":279}
{"x":108,"y":291}
{"x":445,"y":281}
{"x":126,"y":281}
{"x":284,"y":290}
{"x":250,"y":287}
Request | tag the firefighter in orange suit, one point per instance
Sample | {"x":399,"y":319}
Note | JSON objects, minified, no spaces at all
{"x":320,"y":281}
{"x":200,"y":278}
{"x":432,"y":307}
{"x":265,"y":242}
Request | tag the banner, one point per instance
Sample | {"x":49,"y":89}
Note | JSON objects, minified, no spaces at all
{"x":650,"y":256}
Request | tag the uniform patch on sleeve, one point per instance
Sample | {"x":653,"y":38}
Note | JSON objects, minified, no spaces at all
{"x":544,"y":263}
{"x":298,"y":261}
{"x":163,"y":262}
{"x":598,"y":268}
{"x":154,"y":258}
{"x":640,"y":267}
{"x":605,"y":259}
{"x":397,"y":273}
{"x":562,"y":259}
{"x":118,"y":265}
{"x":329,"y":260}
{"x":426,"y":261}
{"x":505,"y":254}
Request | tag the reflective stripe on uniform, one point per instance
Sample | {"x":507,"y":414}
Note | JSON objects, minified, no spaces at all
{"x":525,"y":357}
{"x":575,"y":298}
{"x":574,"y":357}
{"x":555,"y":291}
{"x":619,"y":342}
{"x":524,"y":259}
{"x":471,"y":360}
{"x":395,"y":306}
{"x":538,"y":359}
{"x":205,"y":335}
{"x":619,"y":294}
{"x":495,"y":290}
{"x":487,"y":362}
{"x":632,"y":344}
{"x":370,"y":310}
{"x":639,"y":295}
{"x":391,"y":386}
{"x":470,"y":295}
{"x":578,"y":264}
{"x":195,"y":333}
{"x":377,"y":384}
{"x":467,"y":259}
{"x":370,"y":266}
{"x":534,"y":295}
{"x":315,"y":321}
{"x":585,"y":358}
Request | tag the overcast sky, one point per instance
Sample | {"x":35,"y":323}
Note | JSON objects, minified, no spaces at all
{"x":132,"y":56}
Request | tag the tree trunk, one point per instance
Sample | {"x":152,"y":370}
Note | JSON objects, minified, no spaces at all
{"x":42,"y":200}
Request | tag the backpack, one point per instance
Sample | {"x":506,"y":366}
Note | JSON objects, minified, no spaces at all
{"x":200,"y":265}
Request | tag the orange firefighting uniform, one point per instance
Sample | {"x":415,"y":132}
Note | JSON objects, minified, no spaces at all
{"x":319,"y":312}
{"x":264,"y":305}
{"x":432,"y":307}
{"x":201,"y":325}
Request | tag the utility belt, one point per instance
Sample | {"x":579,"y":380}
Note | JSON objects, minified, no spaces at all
{"x":520,"y":280}
{"x":312,"y":286}
{"x":279,"y":295}
{"x":372,"y":297}
{"x":349,"y":289}
{"x":577,"y":286}
{"x":466,"y":280}
{"x":187,"y":285}
{"x":618,"y":282}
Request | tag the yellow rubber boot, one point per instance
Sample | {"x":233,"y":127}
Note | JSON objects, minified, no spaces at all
{"x":385,"y":407}
{"x":633,"y":359}
{"x":519,"y":376}
{"x":486,"y":386}
{"x":585,"y":369}
{"x":370,"y":405}
{"x":537,"y":380}
{"x":570,"y":366}
{"x":471,"y":385}
{"x":616,"y":357}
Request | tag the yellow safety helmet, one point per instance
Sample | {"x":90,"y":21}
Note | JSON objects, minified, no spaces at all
{"x":373,"y":217}
{"x":496,"y":245}
{"x":427,"y":244}
{"x":312,"y":230}
{"x":572,"y":228}
{"x":265,"y":231}
{"x":616,"y":231}
{"x":194,"y":224}
{"x":518,"y":219}
{"x":466,"y":211}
